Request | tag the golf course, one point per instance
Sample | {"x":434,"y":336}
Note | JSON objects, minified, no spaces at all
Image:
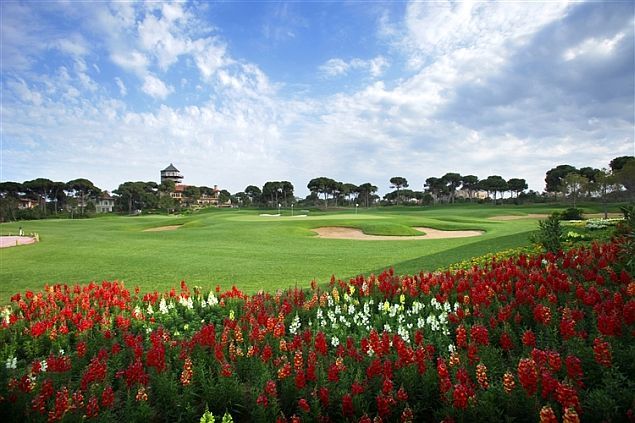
{"x":254,"y":249}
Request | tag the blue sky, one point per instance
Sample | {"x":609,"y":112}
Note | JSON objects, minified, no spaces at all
{"x":238,"y":93}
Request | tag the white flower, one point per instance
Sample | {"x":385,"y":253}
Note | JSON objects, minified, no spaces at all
{"x":295,"y":325}
{"x":12,"y":363}
{"x":335,"y":341}
{"x":43,"y":365}
{"x":150,"y":310}
{"x":211,"y":299}
{"x":163,"y":308}
{"x":451,"y":348}
{"x":62,"y":351}
{"x":387,"y":328}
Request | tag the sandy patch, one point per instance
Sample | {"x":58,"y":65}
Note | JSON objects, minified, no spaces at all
{"x":163,"y":228}
{"x":12,"y":241}
{"x":336,"y":232}
{"x":526,"y":216}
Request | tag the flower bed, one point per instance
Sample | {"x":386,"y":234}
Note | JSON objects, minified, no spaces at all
{"x":540,"y":337}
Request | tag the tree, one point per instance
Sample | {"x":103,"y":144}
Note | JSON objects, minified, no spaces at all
{"x":452,"y":182}
{"x":286,"y":189}
{"x":192,"y":193}
{"x":517,"y":185}
{"x":167,"y":186}
{"x":349,"y":190}
{"x":494,"y":184}
{"x":398,"y":182}
{"x":41,"y":187}
{"x":57,"y":194}
{"x":322,"y":185}
{"x":84,"y":188}
{"x":254,"y":194}
{"x":138,"y":195}
{"x":605,"y":182}
{"x":470,"y":184}
{"x":573,"y":184}
{"x":167,"y":203}
{"x":365,"y":191}
{"x":554,"y":177}
{"x":437,"y":187}
{"x":224,"y":196}
{"x":618,"y":163}
{"x":626,"y":176}
{"x":271,"y":190}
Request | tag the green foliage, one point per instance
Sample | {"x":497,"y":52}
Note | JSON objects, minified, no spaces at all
{"x":571,"y":214}
{"x":549,"y":233}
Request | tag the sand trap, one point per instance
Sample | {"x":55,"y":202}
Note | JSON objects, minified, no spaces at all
{"x":514,"y":217}
{"x":163,"y":228}
{"x":269,"y":215}
{"x":12,"y":241}
{"x":336,"y":232}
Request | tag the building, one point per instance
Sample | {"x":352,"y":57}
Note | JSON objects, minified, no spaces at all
{"x":104,"y":203}
{"x":171,"y":173}
{"x":208,"y":197}
{"x":27,"y":203}
{"x":476,"y":194}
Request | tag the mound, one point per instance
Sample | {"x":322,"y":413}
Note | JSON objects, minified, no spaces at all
{"x":516,"y":217}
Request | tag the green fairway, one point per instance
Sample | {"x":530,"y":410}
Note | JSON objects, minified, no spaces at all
{"x":242,"y":247}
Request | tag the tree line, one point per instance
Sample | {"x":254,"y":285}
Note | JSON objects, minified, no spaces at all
{"x":75,"y":197}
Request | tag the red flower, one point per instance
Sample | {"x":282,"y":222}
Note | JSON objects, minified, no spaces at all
{"x":347,"y":405}
{"x":107,"y":397}
{"x":262,"y":400}
{"x":402,"y":395}
{"x":602,"y":352}
{"x":320,"y":343}
{"x":506,"y":342}
{"x":527,"y":374}
{"x":270,"y":388}
{"x":460,"y":396}
{"x":574,"y":369}
{"x":529,"y":339}
{"x":479,"y":334}
{"x":461,"y":337}
{"x":387,"y":386}
{"x":323,"y":395}
{"x":300,"y":380}
{"x":304,"y":405}
{"x":356,"y":388}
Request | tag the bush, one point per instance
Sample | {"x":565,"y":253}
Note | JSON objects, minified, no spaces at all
{"x":550,"y":233}
{"x":571,"y":214}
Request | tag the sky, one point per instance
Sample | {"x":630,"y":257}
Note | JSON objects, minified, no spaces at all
{"x":237,"y":93}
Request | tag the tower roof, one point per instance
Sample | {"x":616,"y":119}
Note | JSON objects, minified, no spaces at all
{"x":170,"y":168}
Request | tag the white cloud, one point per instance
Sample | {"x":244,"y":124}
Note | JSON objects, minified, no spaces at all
{"x":337,"y":67}
{"x":154,"y":87}
{"x":594,"y":47}
{"x":122,"y":87}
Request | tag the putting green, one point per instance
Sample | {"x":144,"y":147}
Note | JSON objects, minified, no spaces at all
{"x":251,"y":251}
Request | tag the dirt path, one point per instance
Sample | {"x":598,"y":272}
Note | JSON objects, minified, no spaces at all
{"x":163,"y":228}
{"x":12,"y":241}
{"x":336,"y":232}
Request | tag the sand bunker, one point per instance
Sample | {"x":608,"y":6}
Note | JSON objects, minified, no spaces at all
{"x":515,"y":217}
{"x":163,"y":228}
{"x":335,"y":232}
{"x":12,"y":241}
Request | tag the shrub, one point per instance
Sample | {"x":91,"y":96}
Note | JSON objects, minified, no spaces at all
{"x":550,"y":233}
{"x":571,"y":214}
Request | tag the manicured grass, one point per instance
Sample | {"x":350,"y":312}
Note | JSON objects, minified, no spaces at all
{"x":240,"y":247}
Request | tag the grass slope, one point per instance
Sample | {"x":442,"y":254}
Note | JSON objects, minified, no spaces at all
{"x":240,"y":247}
